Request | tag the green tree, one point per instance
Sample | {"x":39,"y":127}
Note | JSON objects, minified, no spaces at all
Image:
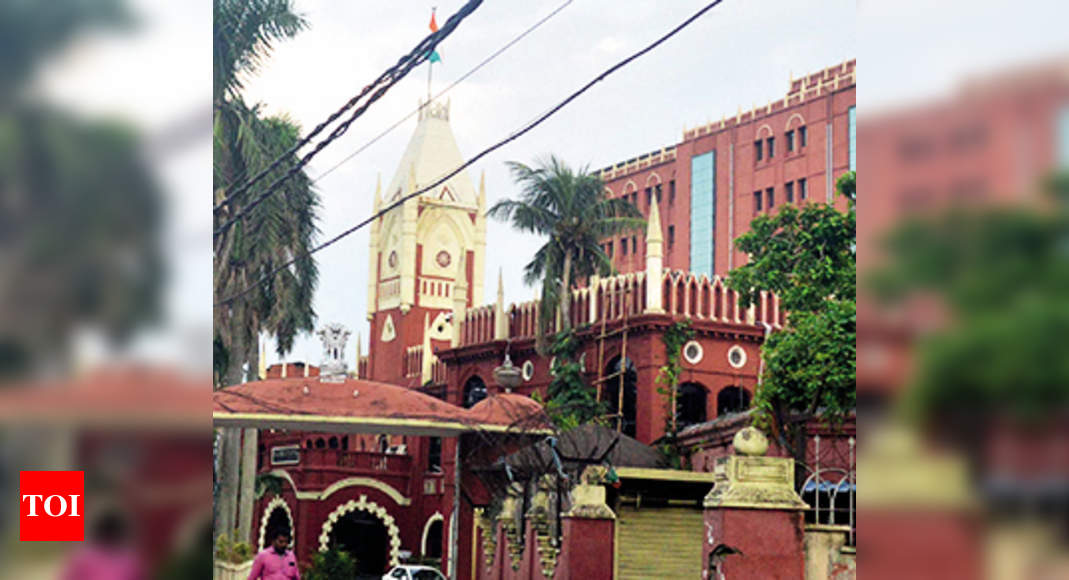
{"x":246,"y":142}
{"x":571,"y":209}
{"x":1002,"y":276}
{"x":807,"y":257}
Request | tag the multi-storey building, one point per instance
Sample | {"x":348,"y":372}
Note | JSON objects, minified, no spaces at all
{"x":723,"y":174}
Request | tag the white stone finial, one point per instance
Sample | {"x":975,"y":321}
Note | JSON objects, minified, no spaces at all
{"x":500,"y":323}
{"x":333,"y":367}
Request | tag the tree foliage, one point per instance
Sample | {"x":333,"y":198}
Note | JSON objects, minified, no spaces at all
{"x":82,"y":210}
{"x":1003,"y":276}
{"x":570,"y":402}
{"x":807,"y":257}
{"x":571,"y":209}
{"x":246,"y":141}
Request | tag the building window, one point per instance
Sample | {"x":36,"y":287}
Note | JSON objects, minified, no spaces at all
{"x":690,"y":405}
{"x":703,"y":213}
{"x":788,"y":191}
{"x":671,"y":236}
{"x":623,"y":247}
{"x":732,"y":400}
{"x":803,"y":136}
{"x":434,"y":455}
{"x":771,"y":142}
{"x":671,"y":192}
{"x":756,"y":201}
{"x":803,"y":190}
{"x":610,"y":250}
{"x":649,"y":196}
{"x":790,"y":140}
{"x":759,"y":152}
{"x":634,"y":244}
{"x":770,"y":198}
{"x":657,"y":192}
{"x":853,"y":138}
{"x":474,"y":391}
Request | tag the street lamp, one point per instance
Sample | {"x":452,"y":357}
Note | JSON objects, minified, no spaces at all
{"x":507,"y":375}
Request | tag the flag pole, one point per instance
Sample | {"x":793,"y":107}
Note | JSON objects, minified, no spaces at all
{"x":430,"y":63}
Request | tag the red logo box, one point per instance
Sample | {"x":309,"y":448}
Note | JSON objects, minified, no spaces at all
{"x":51,"y":506}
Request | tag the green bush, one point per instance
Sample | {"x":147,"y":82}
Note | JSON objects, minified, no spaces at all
{"x":228,"y":549}
{"x":334,"y":564}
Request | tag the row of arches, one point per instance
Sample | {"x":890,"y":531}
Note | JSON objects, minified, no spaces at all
{"x":691,"y":399}
{"x":361,"y":528}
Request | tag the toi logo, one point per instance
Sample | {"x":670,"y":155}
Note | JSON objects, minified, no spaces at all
{"x":51,"y":506}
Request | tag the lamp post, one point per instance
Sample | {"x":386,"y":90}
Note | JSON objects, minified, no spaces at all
{"x":507,"y":375}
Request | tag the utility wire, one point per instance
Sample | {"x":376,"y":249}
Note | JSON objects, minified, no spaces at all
{"x":515,"y":135}
{"x":391,"y":76}
{"x":462,"y":78}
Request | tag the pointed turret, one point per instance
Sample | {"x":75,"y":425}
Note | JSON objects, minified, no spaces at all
{"x":654,"y":259}
{"x":501,"y":328}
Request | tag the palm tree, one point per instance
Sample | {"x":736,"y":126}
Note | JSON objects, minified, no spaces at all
{"x":245,"y":142}
{"x":571,"y":209}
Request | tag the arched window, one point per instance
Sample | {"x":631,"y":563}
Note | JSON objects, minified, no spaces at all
{"x":474,"y":391}
{"x":690,"y":405}
{"x":611,"y":394}
{"x":320,"y":444}
{"x":732,"y":400}
{"x":333,"y":443}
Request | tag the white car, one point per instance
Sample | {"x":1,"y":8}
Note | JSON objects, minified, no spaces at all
{"x":406,"y":572}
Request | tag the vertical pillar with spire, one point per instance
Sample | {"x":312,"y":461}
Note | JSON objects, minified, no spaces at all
{"x":460,"y":298}
{"x":501,"y":325}
{"x":373,"y":255}
{"x":654,"y":260}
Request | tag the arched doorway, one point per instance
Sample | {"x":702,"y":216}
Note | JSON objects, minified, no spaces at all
{"x":690,"y":405}
{"x":365,"y":538}
{"x":610,"y":394}
{"x":474,"y":391}
{"x":432,"y":538}
{"x":732,"y":400}
{"x":277,"y":517}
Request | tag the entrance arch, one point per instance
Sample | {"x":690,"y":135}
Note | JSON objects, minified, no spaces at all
{"x":690,"y":404}
{"x":732,"y":400}
{"x":380,"y":531}
{"x":277,"y":513}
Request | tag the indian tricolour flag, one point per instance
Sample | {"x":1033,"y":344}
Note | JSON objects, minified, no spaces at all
{"x":434,"y":28}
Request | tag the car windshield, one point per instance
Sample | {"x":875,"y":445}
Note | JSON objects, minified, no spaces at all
{"x":426,"y":575}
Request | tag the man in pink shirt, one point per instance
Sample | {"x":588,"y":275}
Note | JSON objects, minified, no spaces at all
{"x":276,"y":562}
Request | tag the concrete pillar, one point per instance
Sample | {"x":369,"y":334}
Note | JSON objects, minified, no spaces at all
{"x":753,"y":516}
{"x":588,"y":530}
{"x":501,"y":323}
{"x":247,"y":485}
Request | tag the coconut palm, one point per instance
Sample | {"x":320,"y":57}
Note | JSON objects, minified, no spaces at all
{"x":571,"y":209}
{"x":245,"y":142}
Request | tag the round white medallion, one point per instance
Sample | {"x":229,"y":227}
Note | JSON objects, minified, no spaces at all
{"x":528,"y":370}
{"x":693,"y":352}
{"x":736,"y":356}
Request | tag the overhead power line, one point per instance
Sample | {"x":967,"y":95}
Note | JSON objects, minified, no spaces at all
{"x":515,"y":135}
{"x":437,"y":95}
{"x":390,"y":77}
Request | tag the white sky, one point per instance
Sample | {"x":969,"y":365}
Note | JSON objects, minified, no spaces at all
{"x":695,"y":77}
{"x":741,"y":53}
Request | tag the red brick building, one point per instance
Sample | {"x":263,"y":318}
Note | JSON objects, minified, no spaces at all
{"x":721,"y":175}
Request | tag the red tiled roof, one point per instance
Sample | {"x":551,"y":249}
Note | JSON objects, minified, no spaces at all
{"x":509,"y":409}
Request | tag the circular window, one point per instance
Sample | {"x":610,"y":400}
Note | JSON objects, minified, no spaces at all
{"x":528,"y":370}
{"x":692,"y":351}
{"x":736,"y":356}
{"x":392,"y":260}
{"x":443,"y":258}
